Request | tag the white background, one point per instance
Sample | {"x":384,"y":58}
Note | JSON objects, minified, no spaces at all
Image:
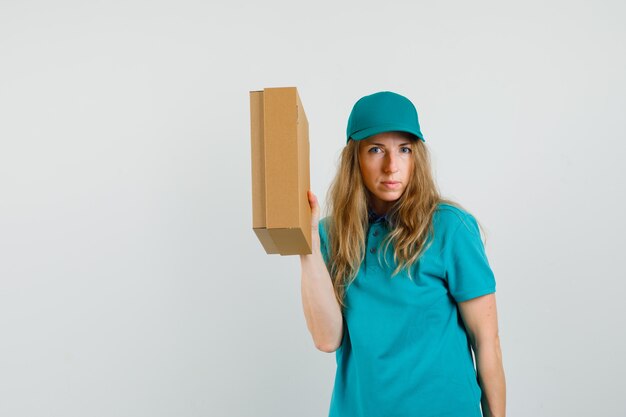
{"x":131,"y":283}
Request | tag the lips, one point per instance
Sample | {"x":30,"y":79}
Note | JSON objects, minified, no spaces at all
{"x":392,"y":185}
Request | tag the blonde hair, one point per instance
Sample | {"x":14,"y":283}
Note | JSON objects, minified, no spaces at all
{"x":410,"y":218}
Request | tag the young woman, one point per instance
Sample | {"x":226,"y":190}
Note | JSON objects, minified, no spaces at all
{"x":398,"y":284}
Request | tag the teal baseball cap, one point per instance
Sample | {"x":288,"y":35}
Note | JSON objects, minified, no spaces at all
{"x":384,"y":111}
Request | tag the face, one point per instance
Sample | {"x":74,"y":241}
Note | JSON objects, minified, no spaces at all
{"x":386,"y":163}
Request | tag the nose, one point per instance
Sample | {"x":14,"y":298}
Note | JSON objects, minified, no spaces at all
{"x":390,"y":164}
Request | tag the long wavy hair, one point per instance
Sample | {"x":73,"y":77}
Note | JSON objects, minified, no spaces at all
{"x":410,"y":218}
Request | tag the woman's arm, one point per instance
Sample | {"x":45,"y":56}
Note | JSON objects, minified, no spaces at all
{"x":321,"y":309}
{"x":481,"y":322}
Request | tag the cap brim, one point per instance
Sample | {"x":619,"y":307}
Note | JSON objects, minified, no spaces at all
{"x":371,"y":131}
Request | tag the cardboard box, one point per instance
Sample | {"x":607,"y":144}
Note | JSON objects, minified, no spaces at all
{"x":281,"y":215}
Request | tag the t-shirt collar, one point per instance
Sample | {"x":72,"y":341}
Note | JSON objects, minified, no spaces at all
{"x":375,"y":218}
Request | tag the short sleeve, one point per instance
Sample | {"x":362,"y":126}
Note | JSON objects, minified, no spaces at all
{"x":468,"y":272}
{"x":322,"y":224}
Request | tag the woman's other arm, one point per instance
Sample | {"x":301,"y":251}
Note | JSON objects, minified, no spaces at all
{"x":321,"y":309}
{"x":481,"y":322}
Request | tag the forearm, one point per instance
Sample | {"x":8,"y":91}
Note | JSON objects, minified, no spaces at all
{"x":491,"y":379}
{"x":321,"y":309}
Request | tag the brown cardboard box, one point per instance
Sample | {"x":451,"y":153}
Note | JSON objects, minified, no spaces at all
{"x":281,"y":215}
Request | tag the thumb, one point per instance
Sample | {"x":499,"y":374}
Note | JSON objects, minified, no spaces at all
{"x":315,"y":210}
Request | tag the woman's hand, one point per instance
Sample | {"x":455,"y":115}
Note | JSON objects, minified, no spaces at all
{"x":315,"y":218}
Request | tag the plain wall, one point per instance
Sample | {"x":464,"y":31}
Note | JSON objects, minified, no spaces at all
{"x":131,"y":282}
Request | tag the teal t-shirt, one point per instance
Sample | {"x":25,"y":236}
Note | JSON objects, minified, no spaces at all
{"x":405,"y":351}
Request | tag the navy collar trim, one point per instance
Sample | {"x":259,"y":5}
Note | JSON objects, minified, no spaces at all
{"x":375,"y":218}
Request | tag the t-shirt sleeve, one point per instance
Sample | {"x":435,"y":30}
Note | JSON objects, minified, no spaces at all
{"x":468,"y":272}
{"x":323,"y":239}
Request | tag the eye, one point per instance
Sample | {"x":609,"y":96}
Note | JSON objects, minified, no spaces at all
{"x":407,"y":148}
{"x":372,"y":148}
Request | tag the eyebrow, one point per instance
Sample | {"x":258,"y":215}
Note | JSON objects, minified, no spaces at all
{"x":381,"y":145}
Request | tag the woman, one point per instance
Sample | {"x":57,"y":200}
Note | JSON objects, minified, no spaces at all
{"x":398,"y":284}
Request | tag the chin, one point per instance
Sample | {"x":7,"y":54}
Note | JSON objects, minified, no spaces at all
{"x":389,"y":197}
